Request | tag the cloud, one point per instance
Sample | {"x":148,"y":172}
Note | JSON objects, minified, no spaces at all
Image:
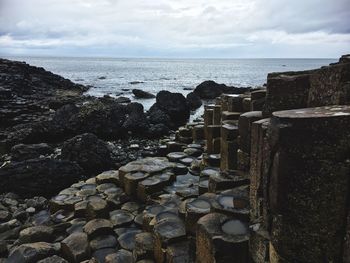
{"x":225,"y":28}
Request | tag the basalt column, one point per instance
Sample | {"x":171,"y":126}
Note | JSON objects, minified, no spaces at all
{"x":308,"y":185}
{"x":244,"y":127}
{"x":229,"y":146}
{"x":259,"y":166}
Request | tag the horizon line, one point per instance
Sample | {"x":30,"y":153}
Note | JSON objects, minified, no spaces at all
{"x":155,"y":57}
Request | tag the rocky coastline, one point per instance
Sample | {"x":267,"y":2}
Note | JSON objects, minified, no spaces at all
{"x":85,"y":179}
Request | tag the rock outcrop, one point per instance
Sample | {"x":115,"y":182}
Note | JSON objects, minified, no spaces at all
{"x":91,"y":153}
{"x":210,"y":90}
{"x":142,"y":94}
{"x":38,"y":176}
{"x":171,"y":109}
{"x":194,"y":101}
{"x":28,"y":93}
{"x":329,"y":85}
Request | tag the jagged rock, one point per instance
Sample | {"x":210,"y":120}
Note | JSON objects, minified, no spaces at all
{"x":29,"y":91}
{"x":142,"y":94}
{"x":158,"y":116}
{"x":32,"y":253}
{"x":193,"y":100}
{"x":76,"y":247}
{"x":105,"y":120}
{"x":38,"y":177}
{"x":91,"y":153}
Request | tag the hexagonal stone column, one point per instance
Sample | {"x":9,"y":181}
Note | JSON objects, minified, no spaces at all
{"x":309,"y":183}
{"x":222,"y":239}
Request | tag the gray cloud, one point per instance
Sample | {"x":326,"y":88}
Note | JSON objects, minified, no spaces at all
{"x":225,"y":28}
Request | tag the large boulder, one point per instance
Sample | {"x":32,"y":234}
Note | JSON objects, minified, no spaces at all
{"x":136,"y":121}
{"x":45,"y":177}
{"x":194,"y":100}
{"x":210,"y":90}
{"x":142,"y":94}
{"x":172,"y":105}
{"x":91,"y":153}
{"x":103,"y":119}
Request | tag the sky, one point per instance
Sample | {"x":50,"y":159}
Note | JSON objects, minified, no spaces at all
{"x":176,"y":28}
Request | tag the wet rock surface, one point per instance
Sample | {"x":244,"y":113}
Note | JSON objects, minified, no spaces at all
{"x":142,"y":94}
{"x":232,"y":187}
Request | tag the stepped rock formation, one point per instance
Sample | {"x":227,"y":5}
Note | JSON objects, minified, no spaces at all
{"x":241,"y":185}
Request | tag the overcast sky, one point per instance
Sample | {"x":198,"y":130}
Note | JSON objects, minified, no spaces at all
{"x":176,"y":28}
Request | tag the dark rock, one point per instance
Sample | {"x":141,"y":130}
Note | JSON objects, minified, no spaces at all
{"x":194,"y":100}
{"x":122,"y":100}
{"x":91,"y":153}
{"x":53,"y":259}
{"x":106,"y":241}
{"x":158,"y":130}
{"x":158,"y":116}
{"x":136,"y":121}
{"x":76,"y":247}
{"x":29,"y":91}
{"x":170,"y":107}
{"x":122,"y":256}
{"x":135,"y":82}
{"x":22,"y":152}
{"x":104,"y":120}
{"x":35,"y":177}
{"x":210,"y":90}
{"x":32,"y":253}
{"x":98,"y":227}
{"x":142,"y":94}
{"x":36,"y":234}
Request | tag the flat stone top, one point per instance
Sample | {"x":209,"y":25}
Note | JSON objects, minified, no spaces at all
{"x":252,"y":114}
{"x":318,"y":112}
{"x":147,"y":165}
{"x":230,"y":126}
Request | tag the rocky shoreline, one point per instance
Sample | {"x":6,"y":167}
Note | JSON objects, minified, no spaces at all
{"x":95,"y":180}
{"x":45,"y":115}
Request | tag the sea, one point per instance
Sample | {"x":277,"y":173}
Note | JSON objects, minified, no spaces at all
{"x":118,"y":76}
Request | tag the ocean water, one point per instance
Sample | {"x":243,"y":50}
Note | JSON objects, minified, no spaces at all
{"x":113,"y":76}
